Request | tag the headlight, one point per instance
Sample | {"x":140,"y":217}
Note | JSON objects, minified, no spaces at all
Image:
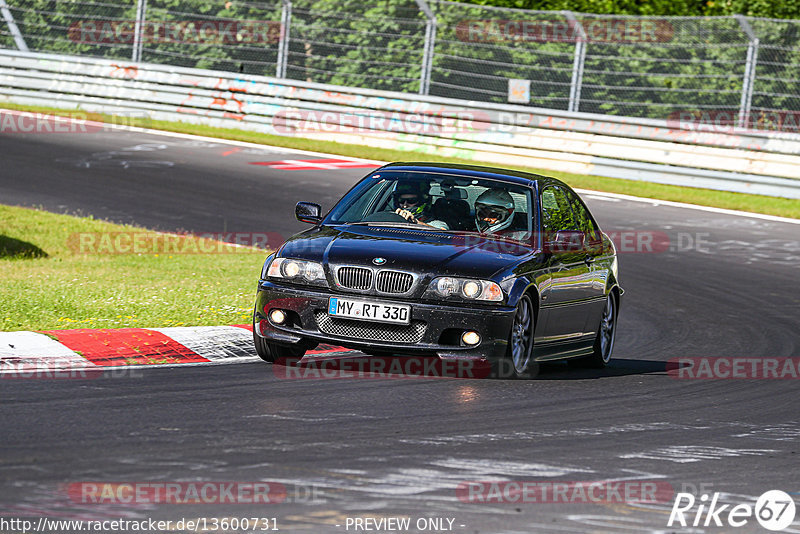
{"x":471,"y":289}
{"x":446,"y":286}
{"x":465,"y":288}
{"x":313,"y":272}
{"x":297,"y":271}
{"x":290,"y":269}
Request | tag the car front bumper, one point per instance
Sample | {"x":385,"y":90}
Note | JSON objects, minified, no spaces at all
{"x":435,"y":330}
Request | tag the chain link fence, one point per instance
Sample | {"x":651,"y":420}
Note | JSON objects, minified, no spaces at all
{"x":727,"y":70}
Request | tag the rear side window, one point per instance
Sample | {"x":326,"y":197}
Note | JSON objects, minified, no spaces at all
{"x":557,"y":213}
{"x":583,"y":217}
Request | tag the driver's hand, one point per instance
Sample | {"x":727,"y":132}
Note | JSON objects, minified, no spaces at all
{"x":407,"y":215}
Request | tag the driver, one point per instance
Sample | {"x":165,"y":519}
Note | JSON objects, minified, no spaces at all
{"x":412,"y":202}
{"x":494,"y":212}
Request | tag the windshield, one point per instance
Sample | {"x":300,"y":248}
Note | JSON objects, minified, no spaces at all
{"x":442,"y":202}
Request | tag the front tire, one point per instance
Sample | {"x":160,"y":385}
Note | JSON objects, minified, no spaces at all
{"x":262,"y":348}
{"x":518,"y":361}
{"x":269,"y":352}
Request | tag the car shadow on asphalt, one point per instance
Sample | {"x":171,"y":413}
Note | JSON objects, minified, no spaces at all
{"x":615,"y":368}
{"x":353,"y":364}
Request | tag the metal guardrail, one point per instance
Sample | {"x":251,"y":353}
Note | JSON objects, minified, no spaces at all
{"x":601,"y":145}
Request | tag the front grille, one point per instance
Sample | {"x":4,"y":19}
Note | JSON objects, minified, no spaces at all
{"x":394,"y":282}
{"x":396,"y":333}
{"x":355,"y":278}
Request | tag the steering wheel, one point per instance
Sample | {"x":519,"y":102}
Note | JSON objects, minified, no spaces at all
{"x":384,"y":216}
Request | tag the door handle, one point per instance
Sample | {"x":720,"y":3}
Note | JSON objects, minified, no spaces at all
{"x":589,"y":260}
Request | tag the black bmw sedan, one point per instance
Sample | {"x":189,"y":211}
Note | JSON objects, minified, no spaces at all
{"x":460,"y":262}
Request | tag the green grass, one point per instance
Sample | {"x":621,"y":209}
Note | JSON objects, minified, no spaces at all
{"x":707,"y":197}
{"x":47,"y":283}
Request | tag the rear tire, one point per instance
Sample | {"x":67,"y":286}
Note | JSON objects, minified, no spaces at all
{"x":604,"y":342}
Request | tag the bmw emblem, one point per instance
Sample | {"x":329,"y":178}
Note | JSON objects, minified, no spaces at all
{"x":379,"y":261}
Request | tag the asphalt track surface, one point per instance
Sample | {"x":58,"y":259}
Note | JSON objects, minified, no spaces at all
{"x":383,"y":447}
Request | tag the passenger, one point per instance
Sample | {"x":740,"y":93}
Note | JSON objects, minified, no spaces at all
{"x":494,"y":214}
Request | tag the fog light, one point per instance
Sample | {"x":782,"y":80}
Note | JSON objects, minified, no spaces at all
{"x":470,"y":338}
{"x":277,"y":316}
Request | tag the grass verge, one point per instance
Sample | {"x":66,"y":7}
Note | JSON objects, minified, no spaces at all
{"x":150,"y":280}
{"x":707,"y":197}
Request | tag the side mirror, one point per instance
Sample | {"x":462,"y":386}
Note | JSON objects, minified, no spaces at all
{"x":308,"y":212}
{"x":565,"y":241}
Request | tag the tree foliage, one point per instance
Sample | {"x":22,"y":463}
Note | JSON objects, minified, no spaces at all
{"x":692,"y":63}
{"x":683,"y":8}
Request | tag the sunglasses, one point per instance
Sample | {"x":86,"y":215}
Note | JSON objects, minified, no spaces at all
{"x":406,"y":199}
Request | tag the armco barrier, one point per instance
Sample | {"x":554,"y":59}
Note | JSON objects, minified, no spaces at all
{"x":602,"y":145}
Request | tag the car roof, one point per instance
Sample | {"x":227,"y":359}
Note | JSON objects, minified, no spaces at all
{"x":476,"y":171}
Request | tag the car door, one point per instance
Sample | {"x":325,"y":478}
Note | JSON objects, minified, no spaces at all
{"x":569,"y":290}
{"x":593,"y":254}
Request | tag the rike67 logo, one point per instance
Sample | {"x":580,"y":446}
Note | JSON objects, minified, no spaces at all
{"x":774,"y":510}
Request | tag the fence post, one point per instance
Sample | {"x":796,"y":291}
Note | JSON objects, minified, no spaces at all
{"x":283,"y":44}
{"x":19,"y":40}
{"x":427,"y":51}
{"x":578,"y":62}
{"x":138,"y":31}
{"x":749,"y":79}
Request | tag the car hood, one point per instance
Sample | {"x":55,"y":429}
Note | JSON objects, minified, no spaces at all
{"x":419,"y":251}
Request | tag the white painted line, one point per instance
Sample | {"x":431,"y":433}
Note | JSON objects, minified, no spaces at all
{"x":656,"y":202}
{"x":33,"y":351}
{"x":217,"y":343}
{"x":604,"y":199}
{"x":695,"y":453}
{"x":233,"y":142}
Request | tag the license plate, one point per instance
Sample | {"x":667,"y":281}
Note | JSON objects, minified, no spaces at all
{"x":369,"y":311}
